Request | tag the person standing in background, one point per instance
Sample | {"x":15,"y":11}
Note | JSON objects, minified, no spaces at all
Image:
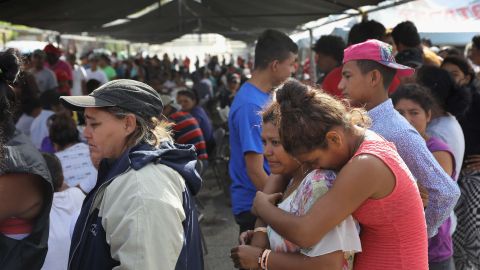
{"x":275,"y":57}
{"x":79,"y":76}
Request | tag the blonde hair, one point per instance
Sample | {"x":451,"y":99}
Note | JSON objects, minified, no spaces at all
{"x":151,"y":131}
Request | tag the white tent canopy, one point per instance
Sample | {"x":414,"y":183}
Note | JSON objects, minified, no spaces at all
{"x":443,"y":21}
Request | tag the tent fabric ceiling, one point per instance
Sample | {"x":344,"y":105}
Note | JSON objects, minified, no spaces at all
{"x":239,"y":19}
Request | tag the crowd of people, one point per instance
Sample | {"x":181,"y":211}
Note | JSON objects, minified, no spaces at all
{"x":388,"y":135}
{"x":374,"y":166}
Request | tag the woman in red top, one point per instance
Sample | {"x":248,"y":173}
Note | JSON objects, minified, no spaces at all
{"x":373,"y":183}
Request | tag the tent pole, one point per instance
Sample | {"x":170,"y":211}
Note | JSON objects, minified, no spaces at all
{"x":313,"y":66}
{"x":4,"y":39}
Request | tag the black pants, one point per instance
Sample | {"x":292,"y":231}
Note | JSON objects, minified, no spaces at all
{"x":246,"y":221}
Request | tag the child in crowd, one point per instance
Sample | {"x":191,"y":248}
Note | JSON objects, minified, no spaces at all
{"x":66,"y":206}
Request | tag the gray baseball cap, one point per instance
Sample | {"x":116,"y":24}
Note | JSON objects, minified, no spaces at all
{"x":133,"y":96}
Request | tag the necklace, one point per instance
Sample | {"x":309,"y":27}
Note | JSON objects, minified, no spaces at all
{"x":294,"y":183}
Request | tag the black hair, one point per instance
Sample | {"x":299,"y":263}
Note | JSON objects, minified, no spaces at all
{"x":273,"y":45}
{"x":233,"y":77}
{"x":366,"y":30}
{"x":388,"y":73}
{"x":71,"y":57}
{"x":105,"y":58}
{"x":427,"y":42}
{"x":49,"y":99}
{"x":9,"y":69}
{"x":416,"y":93}
{"x":63,"y":130}
{"x":91,"y":85}
{"x":462,"y":64}
{"x":30,"y":104}
{"x":330,"y":45}
{"x":476,"y":41}
{"x":449,"y":97}
{"x":190,"y":94}
{"x":411,"y":57}
{"x":55,"y":167}
{"x":406,"y":33}
{"x":449,"y":51}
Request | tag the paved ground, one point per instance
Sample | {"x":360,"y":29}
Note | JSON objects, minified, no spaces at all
{"x":218,"y":226}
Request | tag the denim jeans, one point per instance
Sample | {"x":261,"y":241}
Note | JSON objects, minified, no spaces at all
{"x":448,"y":264}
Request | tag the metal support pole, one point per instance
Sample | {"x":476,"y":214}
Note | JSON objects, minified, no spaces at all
{"x":4,"y":39}
{"x":313,"y":65}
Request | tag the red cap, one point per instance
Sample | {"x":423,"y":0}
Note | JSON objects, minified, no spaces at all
{"x":52,"y":49}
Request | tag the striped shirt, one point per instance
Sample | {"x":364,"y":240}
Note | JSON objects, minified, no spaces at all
{"x":187,"y":131}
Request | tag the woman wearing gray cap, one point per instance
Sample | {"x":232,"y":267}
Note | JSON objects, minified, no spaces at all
{"x":141,"y":213}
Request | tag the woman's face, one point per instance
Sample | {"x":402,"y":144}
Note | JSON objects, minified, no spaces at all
{"x":280,"y":162}
{"x":186,"y":103}
{"x":332,"y":157}
{"x":106,"y":134}
{"x":414,"y":113}
{"x":321,"y":159}
{"x":457,"y":74}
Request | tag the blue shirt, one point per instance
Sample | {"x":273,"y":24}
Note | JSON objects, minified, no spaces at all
{"x":204,"y":122}
{"x":245,"y":126}
{"x":443,"y":192}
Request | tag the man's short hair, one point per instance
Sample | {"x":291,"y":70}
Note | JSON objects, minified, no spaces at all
{"x":39,"y":54}
{"x":387,"y":72}
{"x":366,"y":30}
{"x":63,"y":130}
{"x":50,"y":99}
{"x":406,"y":33}
{"x":92,"y":84}
{"x":330,"y":45}
{"x":476,"y":42}
{"x":30,"y":104}
{"x":273,"y":45}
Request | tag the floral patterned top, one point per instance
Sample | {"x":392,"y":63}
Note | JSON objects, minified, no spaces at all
{"x":344,"y":236}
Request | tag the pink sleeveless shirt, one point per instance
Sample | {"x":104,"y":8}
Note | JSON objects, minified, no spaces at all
{"x":393,"y":229}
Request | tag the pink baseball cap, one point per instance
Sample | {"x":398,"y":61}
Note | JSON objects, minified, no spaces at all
{"x":377,"y":51}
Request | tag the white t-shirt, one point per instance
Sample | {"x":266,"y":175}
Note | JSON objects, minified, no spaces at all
{"x":450,"y":132}
{"x":39,"y":128}
{"x":66,"y":206}
{"x":79,"y":75}
{"x":24,"y":123}
{"x":77,"y":167}
{"x":344,"y":236}
{"x":45,"y":78}
{"x":98,"y":75}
